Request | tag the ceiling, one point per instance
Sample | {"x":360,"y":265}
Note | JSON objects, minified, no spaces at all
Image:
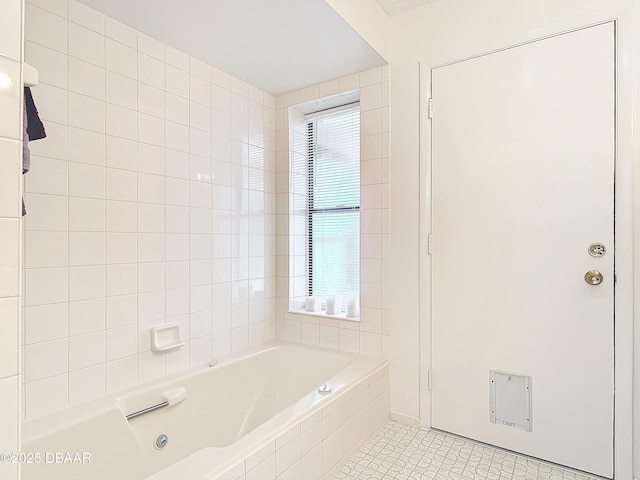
{"x":277,"y":45}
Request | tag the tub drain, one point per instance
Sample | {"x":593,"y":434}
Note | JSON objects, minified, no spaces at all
{"x":161,"y":441}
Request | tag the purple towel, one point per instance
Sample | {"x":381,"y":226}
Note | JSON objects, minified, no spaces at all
{"x":35,"y":128}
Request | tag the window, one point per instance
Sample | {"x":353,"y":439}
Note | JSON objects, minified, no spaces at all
{"x":333,"y":203}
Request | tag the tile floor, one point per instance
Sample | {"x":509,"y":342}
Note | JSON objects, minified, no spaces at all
{"x":400,"y":452}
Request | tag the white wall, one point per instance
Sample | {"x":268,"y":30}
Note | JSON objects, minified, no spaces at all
{"x":10,"y":227}
{"x":151,"y":201}
{"x":441,"y":32}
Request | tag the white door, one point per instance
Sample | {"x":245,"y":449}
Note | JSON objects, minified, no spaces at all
{"x":523,"y":183}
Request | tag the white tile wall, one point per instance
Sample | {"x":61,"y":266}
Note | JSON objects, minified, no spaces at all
{"x":371,"y":334}
{"x":11,"y":40}
{"x":139,"y":211}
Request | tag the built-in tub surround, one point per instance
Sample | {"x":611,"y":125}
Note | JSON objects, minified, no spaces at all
{"x":257,"y":413}
{"x":150,"y":202}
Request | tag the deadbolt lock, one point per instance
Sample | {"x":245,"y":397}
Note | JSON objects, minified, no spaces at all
{"x":593,"y":277}
{"x":597,"y":250}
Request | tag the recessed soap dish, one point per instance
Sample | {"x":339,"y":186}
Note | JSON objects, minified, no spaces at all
{"x":166,"y":337}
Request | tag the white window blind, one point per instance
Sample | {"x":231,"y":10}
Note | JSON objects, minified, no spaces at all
{"x":333,"y":219}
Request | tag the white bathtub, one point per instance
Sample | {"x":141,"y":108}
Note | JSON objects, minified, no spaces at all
{"x":256,"y":413}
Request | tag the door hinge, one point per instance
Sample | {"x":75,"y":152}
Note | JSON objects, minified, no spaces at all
{"x":430,"y":108}
{"x":429,"y":379}
{"x":429,"y":244}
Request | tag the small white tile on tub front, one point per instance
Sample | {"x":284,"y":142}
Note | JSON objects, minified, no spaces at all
{"x":260,"y":454}
{"x":331,"y":418}
{"x":236,"y":472}
{"x":289,"y":453}
{"x":310,"y":437}
{"x":46,"y":396}
{"x":265,"y":470}
{"x":294,"y":472}
{"x":312,"y":464}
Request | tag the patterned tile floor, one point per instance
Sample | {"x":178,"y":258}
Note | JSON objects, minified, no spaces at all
{"x":400,"y":452}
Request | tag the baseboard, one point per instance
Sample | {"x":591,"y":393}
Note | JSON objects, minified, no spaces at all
{"x":404,"y":419}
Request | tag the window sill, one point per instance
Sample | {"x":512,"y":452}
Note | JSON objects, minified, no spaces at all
{"x":321,"y":314}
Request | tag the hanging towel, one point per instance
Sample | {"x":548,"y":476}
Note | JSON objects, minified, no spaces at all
{"x":35,"y":128}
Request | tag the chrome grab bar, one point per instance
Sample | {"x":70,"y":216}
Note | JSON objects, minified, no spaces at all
{"x":171,"y":397}
{"x":144,"y":411}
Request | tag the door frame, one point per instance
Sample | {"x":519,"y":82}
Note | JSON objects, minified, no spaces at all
{"x":626,"y":17}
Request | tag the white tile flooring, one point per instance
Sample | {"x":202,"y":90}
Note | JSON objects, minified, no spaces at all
{"x":400,"y":452}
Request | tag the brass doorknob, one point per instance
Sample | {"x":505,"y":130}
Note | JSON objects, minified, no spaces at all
{"x":593,"y":277}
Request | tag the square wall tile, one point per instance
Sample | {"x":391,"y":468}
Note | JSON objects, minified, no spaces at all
{"x":46,"y":396}
{"x":46,"y":28}
{"x":9,"y":438}
{"x":9,"y":257}
{"x":86,"y":44}
{"x":9,"y":323}
{"x":10,"y":178}
{"x":11,"y":29}
{"x":10,"y":99}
